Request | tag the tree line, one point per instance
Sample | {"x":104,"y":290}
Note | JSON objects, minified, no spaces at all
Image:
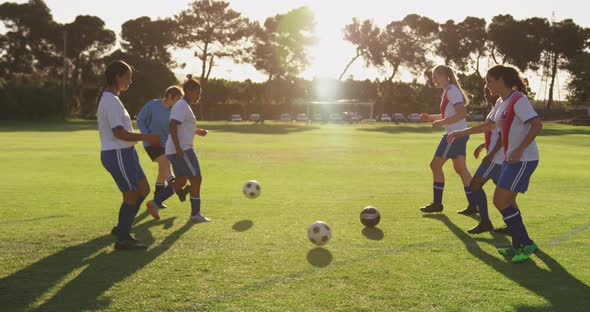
{"x":36,"y":53}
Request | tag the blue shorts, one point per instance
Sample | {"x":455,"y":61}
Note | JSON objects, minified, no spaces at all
{"x":123,"y":165}
{"x":188,"y":166}
{"x":453,"y":149}
{"x":515,"y":177}
{"x":489,"y":171}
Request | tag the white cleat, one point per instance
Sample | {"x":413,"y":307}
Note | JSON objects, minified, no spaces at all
{"x":153,"y":209}
{"x":200,"y":218}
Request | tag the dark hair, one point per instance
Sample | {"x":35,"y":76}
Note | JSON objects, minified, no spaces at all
{"x":113,"y":70}
{"x":510,"y":76}
{"x":173,"y":91}
{"x":191,"y":84}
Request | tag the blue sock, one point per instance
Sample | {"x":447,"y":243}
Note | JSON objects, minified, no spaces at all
{"x":126,"y":216}
{"x":513,"y":219}
{"x":438,"y":189}
{"x":195,"y":205}
{"x":138,"y":206}
{"x":481,"y":201}
{"x":164,"y":194}
{"x":469,"y":194}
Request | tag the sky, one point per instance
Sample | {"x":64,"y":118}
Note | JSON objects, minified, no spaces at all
{"x":331,"y":53}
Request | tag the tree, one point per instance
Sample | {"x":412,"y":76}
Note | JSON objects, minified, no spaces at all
{"x":365,"y":37}
{"x":579,"y":69}
{"x":88,"y":42}
{"x":149,"y":39}
{"x":463,"y":44}
{"x":279,"y":45}
{"x":406,"y":43}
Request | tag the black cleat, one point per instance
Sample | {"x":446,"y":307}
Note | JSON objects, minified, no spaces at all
{"x":162,"y":206}
{"x":130,"y":244}
{"x":469,"y":211}
{"x":505,"y":230}
{"x":182,"y":193}
{"x":432,"y":207}
{"x":482,"y":227}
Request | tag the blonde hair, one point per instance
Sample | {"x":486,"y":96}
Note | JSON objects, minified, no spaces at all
{"x":449,"y":73}
{"x":173,"y":91}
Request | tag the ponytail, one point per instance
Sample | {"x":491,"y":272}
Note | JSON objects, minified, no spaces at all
{"x":510,"y":76}
{"x":113,"y":70}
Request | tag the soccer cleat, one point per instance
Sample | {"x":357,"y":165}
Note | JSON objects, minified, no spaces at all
{"x":115,"y":231}
{"x":508,"y":251}
{"x":200,"y":218}
{"x":182,"y":193}
{"x":469,"y":211}
{"x":432,"y":207}
{"x":505,"y":230}
{"x":153,"y":209}
{"x":163,"y":206}
{"x":130,"y":244}
{"x":484,"y":226}
{"x":524,"y":253}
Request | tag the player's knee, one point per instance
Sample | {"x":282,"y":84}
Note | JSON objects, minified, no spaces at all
{"x":435,"y":165}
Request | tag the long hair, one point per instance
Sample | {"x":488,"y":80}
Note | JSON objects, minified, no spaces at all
{"x":510,"y":76}
{"x":450,"y":74}
{"x":113,"y":70}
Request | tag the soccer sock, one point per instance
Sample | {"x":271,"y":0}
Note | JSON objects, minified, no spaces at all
{"x":159,"y":187}
{"x":138,"y":205}
{"x":170,"y":179}
{"x":513,"y":219}
{"x":469,"y":195}
{"x":164,"y":194}
{"x":438,"y":189}
{"x":481,"y":200}
{"x":195,"y":205}
{"x":126,"y":216}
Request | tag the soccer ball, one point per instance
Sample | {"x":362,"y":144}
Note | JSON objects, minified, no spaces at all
{"x":251,"y":189}
{"x":370,"y":216}
{"x":319,"y":233}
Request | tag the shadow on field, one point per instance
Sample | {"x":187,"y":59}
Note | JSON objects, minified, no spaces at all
{"x":373,"y":233}
{"x":260,"y":129}
{"x":242,"y":226}
{"x":569,"y":131}
{"x":98,"y":272}
{"x":401,"y":129}
{"x":46,"y":126}
{"x":319,"y":257}
{"x":563,"y":291}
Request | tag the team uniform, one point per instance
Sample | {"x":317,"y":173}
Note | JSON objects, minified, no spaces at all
{"x":117,"y":156}
{"x":511,"y":118}
{"x":451,"y":97}
{"x":154,"y":117}
{"x":492,"y":171}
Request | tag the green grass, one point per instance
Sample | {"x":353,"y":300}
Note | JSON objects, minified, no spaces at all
{"x":58,"y":206}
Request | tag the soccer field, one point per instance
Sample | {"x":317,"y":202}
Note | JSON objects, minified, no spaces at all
{"x":58,"y":206}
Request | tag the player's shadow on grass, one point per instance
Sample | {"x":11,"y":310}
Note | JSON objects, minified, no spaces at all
{"x":401,"y":129}
{"x":319,"y":257}
{"x":48,"y":126}
{"x":569,"y":131}
{"x":99,"y":272}
{"x":373,"y":233}
{"x":242,"y":226}
{"x":563,"y":291}
{"x":260,"y":129}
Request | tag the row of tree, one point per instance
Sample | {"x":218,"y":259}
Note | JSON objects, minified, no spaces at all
{"x":36,"y":50}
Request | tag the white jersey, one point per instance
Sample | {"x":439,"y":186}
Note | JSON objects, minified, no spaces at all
{"x":492,"y":138}
{"x":182,"y":112}
{"x":111,"y":115}
{"x":511,"y":117}
{"x":452,"y":96}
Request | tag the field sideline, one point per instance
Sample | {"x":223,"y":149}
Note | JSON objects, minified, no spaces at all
{"x":59,"y":204}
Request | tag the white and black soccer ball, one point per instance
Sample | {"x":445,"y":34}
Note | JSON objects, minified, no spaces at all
{"x":370,"y":216}
{"x":319,"y":233}
{"x":251,"y":189}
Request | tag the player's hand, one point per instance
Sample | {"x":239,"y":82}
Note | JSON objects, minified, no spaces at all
{"x":437,"y":124}
{"x":515,"y":156}
{"x":424,"y":117}
{"x":153,"y":139}
{"x":201,"y":132}
{"x":487,"y":159}
{"x":491,"y":99}
{"x":478,"y":151}
{"x":179,"y":153}
{"x":455,"y":135}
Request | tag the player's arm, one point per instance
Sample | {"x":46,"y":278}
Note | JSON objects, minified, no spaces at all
{"x":536,"y":126}
{"x":173,"y":128}
{"x":124,"y":135}
{"x":492,"y":153}
{"x":478,"y":150}
{"x":143,"y":119}
{"x":486,"y":126}
{"x":461,"y":113}
{"x":201,"y":132}
{"x":430,"y":117}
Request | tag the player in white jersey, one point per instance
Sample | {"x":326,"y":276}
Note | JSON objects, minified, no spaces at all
{"x":519,"y":125}
{"x":452,"y":117}
{"x":180,"y":151}
{"x":118,"y":154}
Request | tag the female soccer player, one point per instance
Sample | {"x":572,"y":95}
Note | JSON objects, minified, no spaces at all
{"x":154,"y":118}
{"x":180,"y":151}
{"x":118,"y":155}
{"x":519,"y":125}
{"x":452,"y":117}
